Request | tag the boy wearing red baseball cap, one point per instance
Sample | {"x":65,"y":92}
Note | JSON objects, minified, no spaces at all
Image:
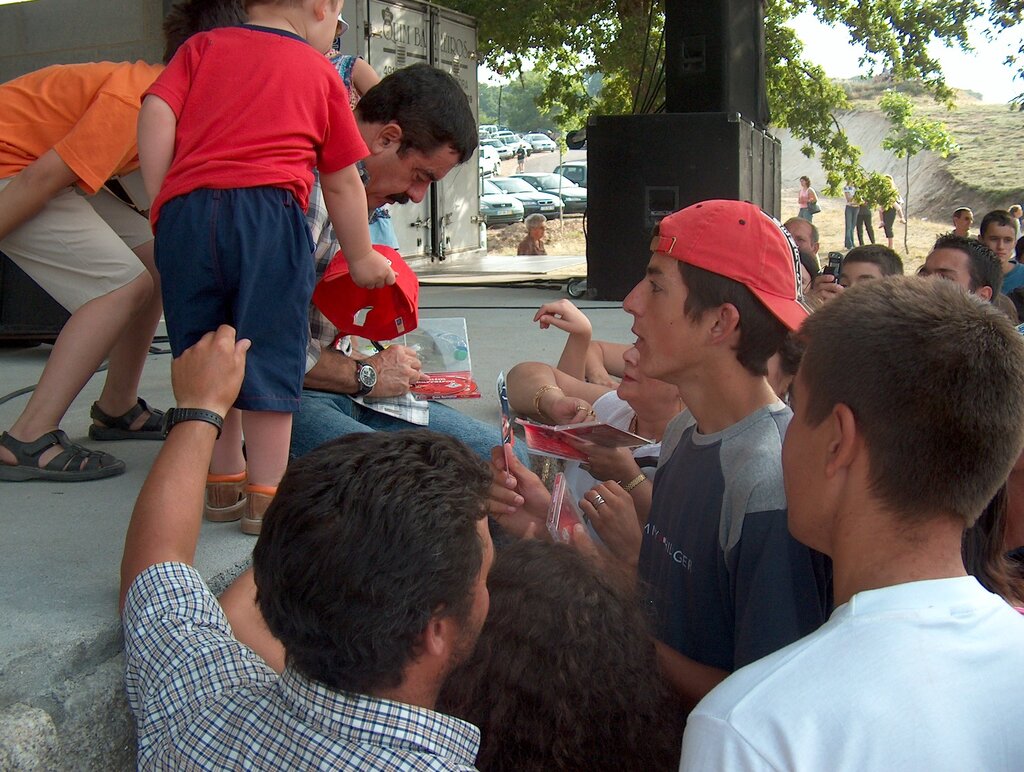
{"x":727,"y":581}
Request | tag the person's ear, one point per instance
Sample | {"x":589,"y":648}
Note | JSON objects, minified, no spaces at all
{"x":844,"y":441}
{"x":385,"y":136}
{"x":440,"y":635}
{"x":985,"y":293}
{"x":726,"y":322}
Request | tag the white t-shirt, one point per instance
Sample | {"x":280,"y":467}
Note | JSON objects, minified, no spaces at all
{"x":919,"y":676}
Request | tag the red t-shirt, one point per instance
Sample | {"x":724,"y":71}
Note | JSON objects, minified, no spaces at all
{"x":255,"y":107}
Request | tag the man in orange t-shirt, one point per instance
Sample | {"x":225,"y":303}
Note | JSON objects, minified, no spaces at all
{"x":65,"y":131}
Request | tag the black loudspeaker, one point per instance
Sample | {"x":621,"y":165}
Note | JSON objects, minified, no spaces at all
{"x":714,"y":58}
{"x":27,"y":313}
{"x":644,"y":167}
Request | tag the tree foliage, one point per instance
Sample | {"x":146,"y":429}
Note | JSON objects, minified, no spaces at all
{"x":911,"y":134}
{"x":515,"y":104}
{"x":568,"y":42}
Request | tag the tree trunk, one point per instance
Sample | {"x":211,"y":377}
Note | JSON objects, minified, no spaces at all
{"x":906,"y":209}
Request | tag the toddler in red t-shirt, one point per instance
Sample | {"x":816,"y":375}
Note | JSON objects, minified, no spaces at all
{"x":229,"y":135}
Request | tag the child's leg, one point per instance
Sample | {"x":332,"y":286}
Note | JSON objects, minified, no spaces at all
{"x":227,"y":451}
{"x":267,"y":437}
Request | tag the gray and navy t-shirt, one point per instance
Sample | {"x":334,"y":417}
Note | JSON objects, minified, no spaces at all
{"x":727,"y":582}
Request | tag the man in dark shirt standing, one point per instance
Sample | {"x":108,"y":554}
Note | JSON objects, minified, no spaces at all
{"x":727,"y":581}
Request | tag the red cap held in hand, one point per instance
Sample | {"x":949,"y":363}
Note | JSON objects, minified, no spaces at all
{"x":393,"y":310}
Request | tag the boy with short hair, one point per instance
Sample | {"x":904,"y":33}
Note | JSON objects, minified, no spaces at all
{"x":886,"y":479}
{"x":728,"y":584}
{"x":228,"y":138}
{"x":963,"y":217}
{"x":999,"y":233}
{"x":871,"y":261}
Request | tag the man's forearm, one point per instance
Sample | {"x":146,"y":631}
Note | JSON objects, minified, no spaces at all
{"x":32,"y":189}
{"x":688,"y":678}
{"x":334,"y":372}
{"x":168,"y":513}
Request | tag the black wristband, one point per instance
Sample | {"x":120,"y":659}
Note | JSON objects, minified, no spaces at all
{"x":177,"y":415}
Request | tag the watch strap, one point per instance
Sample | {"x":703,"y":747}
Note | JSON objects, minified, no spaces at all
{"x":177,"y":415}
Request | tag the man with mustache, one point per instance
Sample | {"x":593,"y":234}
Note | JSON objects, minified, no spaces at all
{"x":418,"y":126}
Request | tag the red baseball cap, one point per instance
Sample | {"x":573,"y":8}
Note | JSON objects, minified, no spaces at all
{"x":737,"y":240}
{"x":393,"y":310}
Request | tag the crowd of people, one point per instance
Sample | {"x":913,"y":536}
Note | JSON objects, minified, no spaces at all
{"x":815,"y":564}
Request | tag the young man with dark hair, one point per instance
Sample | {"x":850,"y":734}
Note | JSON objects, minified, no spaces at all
{"x":966,"y":262}
{"x":371,"y":570}
{"x":885,"y":478}
{"x":727,"y":582}
{"x":998,"y":232}
{"x":869,"y":262}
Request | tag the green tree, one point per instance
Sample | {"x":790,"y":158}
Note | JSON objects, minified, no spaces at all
{"x":567,"y":42}
{"x":519,"y":101}
{"x":911,"y":134}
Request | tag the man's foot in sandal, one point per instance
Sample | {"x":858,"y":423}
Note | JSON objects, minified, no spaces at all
{"x":73,"y":463}
{"x":127,"y":426}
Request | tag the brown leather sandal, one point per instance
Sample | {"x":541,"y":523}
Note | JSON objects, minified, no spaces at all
{"x":225,"y":497}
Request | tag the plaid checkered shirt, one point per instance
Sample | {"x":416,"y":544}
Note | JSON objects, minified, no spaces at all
{"x":202,"y":700}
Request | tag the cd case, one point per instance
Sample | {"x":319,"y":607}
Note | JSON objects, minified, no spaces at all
{"x":544,"y":440}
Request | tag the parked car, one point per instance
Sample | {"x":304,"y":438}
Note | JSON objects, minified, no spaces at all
{"x":499,"y":208}
{"x":573,"y":170}
{"x":514,"y":141}
{"x":574,"y":198}
{"x":490,"y":161}
{"x":541,"y":143}
{"x":533,"y":200}
{"x":504,"y":151}
{"x":488,"y":128}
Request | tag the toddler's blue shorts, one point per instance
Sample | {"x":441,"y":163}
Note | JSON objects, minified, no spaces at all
{"x":242,"y":257}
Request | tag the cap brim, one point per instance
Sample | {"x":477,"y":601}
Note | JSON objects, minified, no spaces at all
{"x":789,"y":311}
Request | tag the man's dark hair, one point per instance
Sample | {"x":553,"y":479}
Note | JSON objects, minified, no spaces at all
{"x":428,"y":104}
{"x":935,"y":380}
{"x":368,"y":538}
{"x":191,"y":16}
{"x":564,"y":675}
{"x":997,"y":217}
{"x":888,"y":262}
{"x":761,"y":333}
{"x":985,"y":268}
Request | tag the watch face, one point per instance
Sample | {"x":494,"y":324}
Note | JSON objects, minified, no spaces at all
{"x":367,"y":376}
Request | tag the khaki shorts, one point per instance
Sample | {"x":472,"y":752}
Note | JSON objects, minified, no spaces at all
{"x":79,"y":248}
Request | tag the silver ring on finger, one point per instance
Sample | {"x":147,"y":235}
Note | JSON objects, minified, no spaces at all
{"x":598,"y":500}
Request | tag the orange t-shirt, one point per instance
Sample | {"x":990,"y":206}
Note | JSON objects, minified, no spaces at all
{"x":88,"y":113}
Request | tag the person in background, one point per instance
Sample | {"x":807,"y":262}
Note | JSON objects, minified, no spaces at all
{"x":963,"y":217}
{"x":807,"y":199}
{"x":851,"y":211}
{"x":887,"y":217}
{"x":998,"y":233}
{"x":533,"y":242}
